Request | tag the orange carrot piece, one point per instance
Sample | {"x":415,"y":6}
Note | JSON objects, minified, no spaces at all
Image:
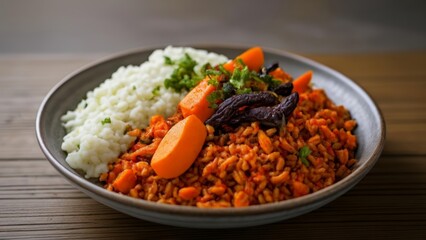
{"x":179,"y":148}
{"x":301,"y":83}
{"x":280,"y":74}
{"x":253,"y":58}
{"x":188,"y":193}
{"x":195,"y":102}
{"x":125,"y":181}
{"x":300,"y":189}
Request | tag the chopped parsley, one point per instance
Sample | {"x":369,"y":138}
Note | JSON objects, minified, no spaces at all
{"x":239,"y":77}
{"x":216,"y":96}
{"x":272,"y":83}
{"x":228,"y":90}
{"x":183,"y":77}
{"x":213,"y":98}
{"x":223,"y":70}
{"x":106,"y":120}
{"x":212,"y":73}
{"x":244,"y":91}
{"x":213,"y":81}
{"x":168,"y":61}
{"x":204,"y":68}
{"x":303,"y":154}
{"x":156,"y":91}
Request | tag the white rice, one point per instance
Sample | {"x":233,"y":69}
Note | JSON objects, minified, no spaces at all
{"x":126,"y":99}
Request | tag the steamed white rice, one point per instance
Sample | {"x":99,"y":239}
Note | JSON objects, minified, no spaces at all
{"x":126,"y":99}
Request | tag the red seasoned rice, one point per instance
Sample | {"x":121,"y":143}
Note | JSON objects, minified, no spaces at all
{"x":252,"y":164}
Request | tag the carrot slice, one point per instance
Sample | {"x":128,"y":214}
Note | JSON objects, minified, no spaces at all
{"x":253,"y":58}
{"x":301,"y":83}
{"x":195,"y":102}
{"x":280,"y":74}
{"x":300,"y":189}
{"x":179,"y":148}
{"x":188,"y":193}
{"x":125,"y":181}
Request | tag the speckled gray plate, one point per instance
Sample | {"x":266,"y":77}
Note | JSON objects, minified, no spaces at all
{"x":66,"y":94}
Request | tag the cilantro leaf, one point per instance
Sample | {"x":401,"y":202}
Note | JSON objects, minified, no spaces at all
{"x":305,"y":161}
{"x":244,"y":91}
{"x":106,"y":120}
{"x":228,"y":90}
{"x":213,"y":81}
{"x":214,"y":97}
{"x":267,"y":79}
{"x":223,"y":70}
{"x":156,"y":91}
{"x":303,"y":154}
{"x":236,"y":79}
{"x":204,"y":68}
{"x":183,"y":77}
{"x":168,"y":61}
{"x":212,"y":72}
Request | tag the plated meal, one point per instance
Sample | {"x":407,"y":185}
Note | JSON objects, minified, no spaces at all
{"x":191,"y":127}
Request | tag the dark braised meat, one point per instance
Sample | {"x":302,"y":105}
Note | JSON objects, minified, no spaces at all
{"x":254,"y":107}
{"x":284,"y":89}
{"x":228,"y":108}
{"x":271,"y":116}
{"x":269,"y":68}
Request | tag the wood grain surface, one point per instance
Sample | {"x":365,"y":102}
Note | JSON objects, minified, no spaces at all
{"x":389,"y":203}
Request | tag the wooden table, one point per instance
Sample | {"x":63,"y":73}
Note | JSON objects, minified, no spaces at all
{"x":37,"y":202}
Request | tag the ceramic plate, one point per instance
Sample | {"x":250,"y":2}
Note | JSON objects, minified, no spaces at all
{"x":69,"y":92}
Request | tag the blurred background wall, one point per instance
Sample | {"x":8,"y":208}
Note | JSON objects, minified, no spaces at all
{"x":106,"y":26}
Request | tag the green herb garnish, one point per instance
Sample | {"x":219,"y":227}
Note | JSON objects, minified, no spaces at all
{"x":213,"y":98}
{"x":204,"y":68}
{"x":244,"y":91}
{"x":218,"y":95}
{"x":213,"y":81}
{"x":156,"y":91}
{"x":134,"y":87}
{"x":239,"y":77}
{"x":212,"y":73}
{"x":267,"y":79}
{"x":106,"y":120}
{"x":183,"y":77}
{"x":223,"y":70}
{"x":303,"y":154}
{"x":228,"y":90}
{"x":168,"y":61}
